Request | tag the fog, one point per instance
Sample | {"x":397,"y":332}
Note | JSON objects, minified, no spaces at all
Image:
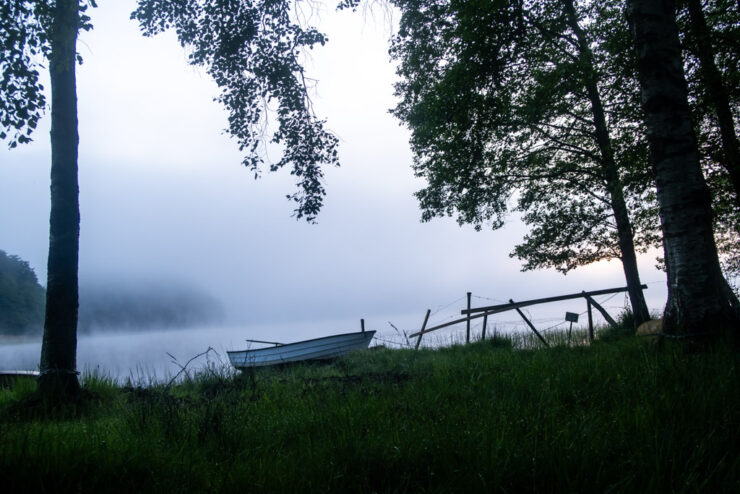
{"x":165,"y":200}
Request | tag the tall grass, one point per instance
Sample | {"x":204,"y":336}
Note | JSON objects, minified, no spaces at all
{"x":610,"y":417}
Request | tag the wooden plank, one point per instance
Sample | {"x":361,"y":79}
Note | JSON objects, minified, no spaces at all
{"x":421,"y":333}
{"x":467,"y":328}
{"x":497,"y":308}
{"x":602,"y":310}
{"x":531,"y":326}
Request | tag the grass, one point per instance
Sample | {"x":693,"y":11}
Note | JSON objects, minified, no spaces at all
{"x":613,"y":417}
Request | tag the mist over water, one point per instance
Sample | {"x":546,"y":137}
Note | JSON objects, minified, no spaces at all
{"x":143,"y":356}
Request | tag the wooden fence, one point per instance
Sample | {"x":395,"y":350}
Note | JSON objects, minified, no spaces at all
{"x":484,"y":312}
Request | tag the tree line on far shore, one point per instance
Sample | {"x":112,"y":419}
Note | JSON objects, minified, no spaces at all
{"x":111,"y":306}
{"x":21,"y":297}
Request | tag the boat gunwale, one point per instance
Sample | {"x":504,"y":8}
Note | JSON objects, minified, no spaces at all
{"x":300,"y":342}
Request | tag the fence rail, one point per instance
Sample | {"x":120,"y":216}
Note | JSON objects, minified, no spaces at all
{"x":484,"y":312}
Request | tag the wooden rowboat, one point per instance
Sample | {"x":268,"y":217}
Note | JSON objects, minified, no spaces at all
{"x":315,"y":349}
{"x":8,"y":377}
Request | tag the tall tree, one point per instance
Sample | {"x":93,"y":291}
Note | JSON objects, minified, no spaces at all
{"x":710,"y":37}
{"x":59,"y":347}
{"x":698,"y":305}
{"x":509,"y":98}
{"x":717,"y":94}
{"x":251,"y":49}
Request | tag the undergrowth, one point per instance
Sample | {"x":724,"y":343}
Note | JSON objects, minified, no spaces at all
{"x":610,"y":417}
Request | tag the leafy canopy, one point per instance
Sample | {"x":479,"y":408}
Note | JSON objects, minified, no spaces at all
{"x":24,"y":42}
{"x":494,"y":94}
{"x":251,"y":48}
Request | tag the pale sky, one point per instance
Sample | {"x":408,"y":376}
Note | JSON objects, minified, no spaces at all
{"x":164,"y":197}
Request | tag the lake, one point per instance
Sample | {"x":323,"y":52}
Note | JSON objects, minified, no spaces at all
{"x":144,"y":356}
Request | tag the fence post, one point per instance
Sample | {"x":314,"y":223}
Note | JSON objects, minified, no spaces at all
{"x":485,"y":323}
{"x":362,"y":325}
{"x":423,"y":327}
{"x":590,"y":322}
{"x":467,"y":330}
{"x":603,"y":311}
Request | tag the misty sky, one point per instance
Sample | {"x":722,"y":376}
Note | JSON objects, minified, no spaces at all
{"x":164,"y":197}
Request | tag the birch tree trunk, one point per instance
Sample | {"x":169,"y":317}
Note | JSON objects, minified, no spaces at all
{"x":59,"y":347}
{"x":698,"y":306}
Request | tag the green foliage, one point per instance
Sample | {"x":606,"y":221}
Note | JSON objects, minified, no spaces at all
{"x":23,"y":38}
{"x":495,"y":96}
{"x":22,"y":299}
{"x":615,"y":417}
{"x":25,"y":27}
{"x":251,"y":49}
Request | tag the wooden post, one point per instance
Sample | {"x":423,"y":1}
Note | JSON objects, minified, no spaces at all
{"x":467,"y":324}
{"x":602,"y":310}
{"x":590,"y":322}
{"x":423,"y":326}
{"x":362,"y":325}
{"x":531,"y":326}
{"x":485,"y":323}
{"x":570,"y":332}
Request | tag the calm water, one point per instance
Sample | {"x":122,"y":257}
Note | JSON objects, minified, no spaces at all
{"x":144,"y":356}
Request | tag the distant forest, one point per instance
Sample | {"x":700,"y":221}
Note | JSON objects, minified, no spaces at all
{"x":22,"y":299}
{"x":141,"y":306}
{"x":102,"y":306}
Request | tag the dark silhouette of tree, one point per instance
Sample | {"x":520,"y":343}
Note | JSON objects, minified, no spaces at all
{"x":710,"y":36}
{"x":698,"y":303}
{"x":716,"y":97}
{"x":510,"y":99}
{"x":251,"y":50}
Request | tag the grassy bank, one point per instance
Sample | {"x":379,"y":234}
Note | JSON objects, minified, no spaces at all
{"x":613,"y":417}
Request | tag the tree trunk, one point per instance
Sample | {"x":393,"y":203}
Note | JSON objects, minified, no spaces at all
{"x":610,"y":171}
{"x":59,"y":348}
{"x":697,"y":305}
{"x":717,"y":95}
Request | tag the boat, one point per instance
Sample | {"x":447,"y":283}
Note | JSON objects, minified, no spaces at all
{"x":326,"y":347}
{"x":8,"y":377}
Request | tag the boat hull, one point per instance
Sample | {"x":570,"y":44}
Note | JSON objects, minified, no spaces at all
{"x":10,"y":377}
{"x":316,"y":349}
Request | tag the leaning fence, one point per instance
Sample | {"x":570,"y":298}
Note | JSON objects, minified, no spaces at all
{"x":471,"y":313}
